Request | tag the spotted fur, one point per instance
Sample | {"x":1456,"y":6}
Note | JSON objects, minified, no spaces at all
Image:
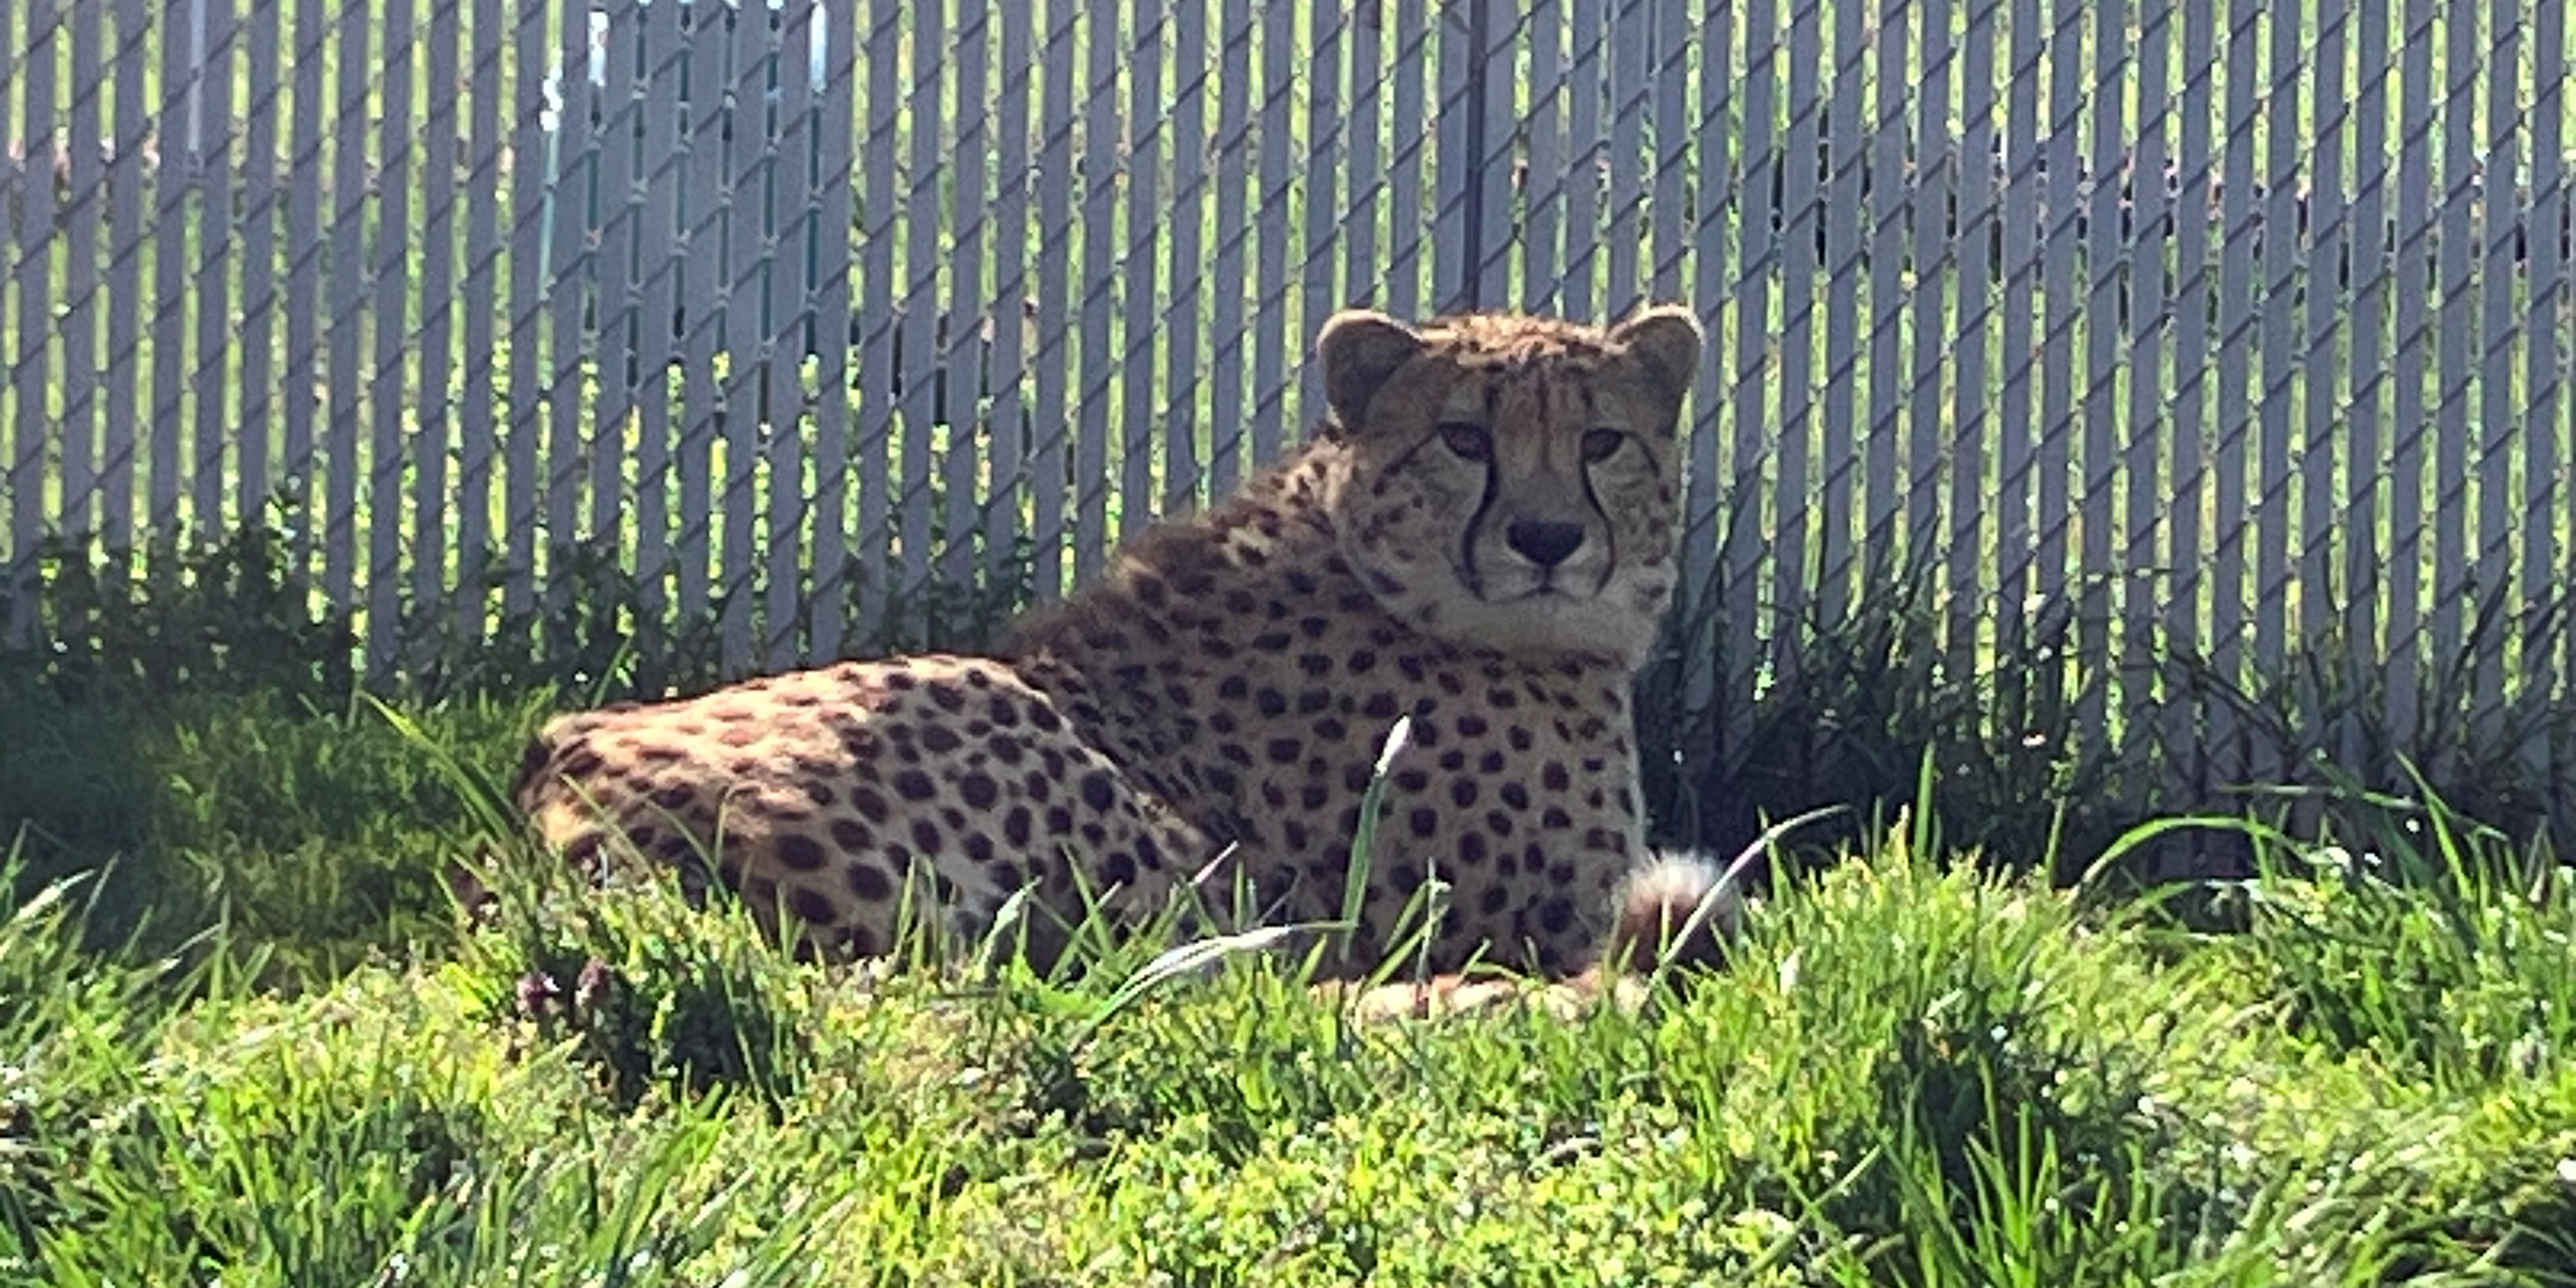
{"x":1480,"y":537}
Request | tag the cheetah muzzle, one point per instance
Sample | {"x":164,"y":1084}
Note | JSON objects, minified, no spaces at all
{"x":1480,"y":535}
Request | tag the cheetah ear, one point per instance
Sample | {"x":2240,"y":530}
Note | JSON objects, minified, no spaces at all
{"x":1665,"y":340}
{"x":1358,"y":350}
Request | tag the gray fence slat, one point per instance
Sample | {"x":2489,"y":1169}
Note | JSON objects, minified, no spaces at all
{"x":1453,"y":270}
{"x":1932,"y":185}
{"x":1101,"y":139}
{"x":302,"y":369}
{"x":390,"y":396}
{"x":1752,"y":574}
{"x":211,"y":159}
{"x":1586,"y":150}
{"x":877,"y":321}
{"x":1271,"y":373}
{"x":660,"y":162}
{"x":2327,"y":334}
{"x":1054,"y":356}
{"x":1233,"y":234}
{"x":2235,"y":341}
{"x":830,"y":314}
{"x":1889,"y":193}
{"x":484,"y":248}
{"x":1976,"y":502}
{"x":2015,"y":416}
{"x":786,"y":330}
{"x":570,"y":267}
{"x":1719,"y":480}
{"x":697,"y":253}
{"x":170,"y":185}
{"x":962,"y":366}
{"x":2146,"y":571}
{"x":1145,"y":423}
{"x":35,"y":194}
{"x":2499,"y":412}
{"x":2058,"y":231}
{"x":1327,"y":155}
{"x":125,"y":282}
{"x":1631,"y":92}
{"x":1801,"y":522}
{"x":2458,"y":312}
{"x":523,"y":481}
{"x":1408,"y":267}
{"x":1498,"y":87}
{"x":2098,"y":501}
{"x":1844,"y":265}
{"x":622,"y":100}
{"x":431,"y":518}
{"x":1672,"y":143}
{"x":736,"y":314}
{"x":2548,"y":523}
{"x":2279,"y":252}
{"x":1543,"y":125}
{"x":2195,"y":164}
{"x":2368,"y":364}
{"x":79,"y":427}
{"x":2408,"y":418}
{"x":1185,"y":352}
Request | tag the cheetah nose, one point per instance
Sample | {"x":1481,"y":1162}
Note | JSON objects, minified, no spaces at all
{"x":1542,"y":543}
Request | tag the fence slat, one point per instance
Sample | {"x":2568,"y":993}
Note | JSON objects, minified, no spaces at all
{"x":1587,"y":151}
{"x":2195,"y":167}
{"x":1101,"y":139}
{"x":831,"y":317}
{"x":1801,"y":518}
{"x":2059,"y":232}
{"x":2370,"y":293}
{"x":1752,"y":571}
{"x":622,"y":99}
{"x":697,"y":255}
{"x":435,"y":343}
{"x":212,"y":160}
{"x":1882,"y":175}
{"x":78,"y":430}
{"x":2015,"y":431}
{"x":125,"y":431}
{"x":1054,"y":356}
{"x":522,"y":490}
{"x":2145,"y":569}
{"x":968,"y":321}
{"x":1145,"y":420}
{"x":570,"y":272}
{"x":476,"y":430}
{"x":2110,"y":173}
{"x":2546,"y":533}
{"x":1977,"y":503}
{"x":741,"y":333}
{"x":1543,"y":125}
{"x":2408,"y":416}
{"x":1632,"y":92}
{"x":1184,"y":351}
{"x":390,"y":395}
{"x":1844,"y":264}
{"x":1271,"y":377}
{"x":786,"y":332}
{"x":2500,"y":410}
{"x":660,"y":162}
{"x":34,"y":271}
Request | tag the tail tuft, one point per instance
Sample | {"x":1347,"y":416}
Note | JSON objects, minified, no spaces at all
{"x":1660,"y":901}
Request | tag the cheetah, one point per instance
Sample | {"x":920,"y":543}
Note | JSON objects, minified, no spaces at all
{"x":1477,"y":541}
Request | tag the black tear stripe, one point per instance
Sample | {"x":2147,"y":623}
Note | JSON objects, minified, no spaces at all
{"x":1476,"y":522}
{"x":1609,"y":530}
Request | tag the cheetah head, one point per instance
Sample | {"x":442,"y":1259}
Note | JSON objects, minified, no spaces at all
{"x":1512,"y":482}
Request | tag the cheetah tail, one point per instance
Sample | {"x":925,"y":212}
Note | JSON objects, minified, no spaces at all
{"x":1664,"y":898}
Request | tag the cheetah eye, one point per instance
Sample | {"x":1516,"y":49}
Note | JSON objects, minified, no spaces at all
{"x":1601,"y":444}
{"x":1470,"y":442}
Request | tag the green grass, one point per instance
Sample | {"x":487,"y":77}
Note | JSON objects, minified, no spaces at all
{"x":261,"y":1046}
